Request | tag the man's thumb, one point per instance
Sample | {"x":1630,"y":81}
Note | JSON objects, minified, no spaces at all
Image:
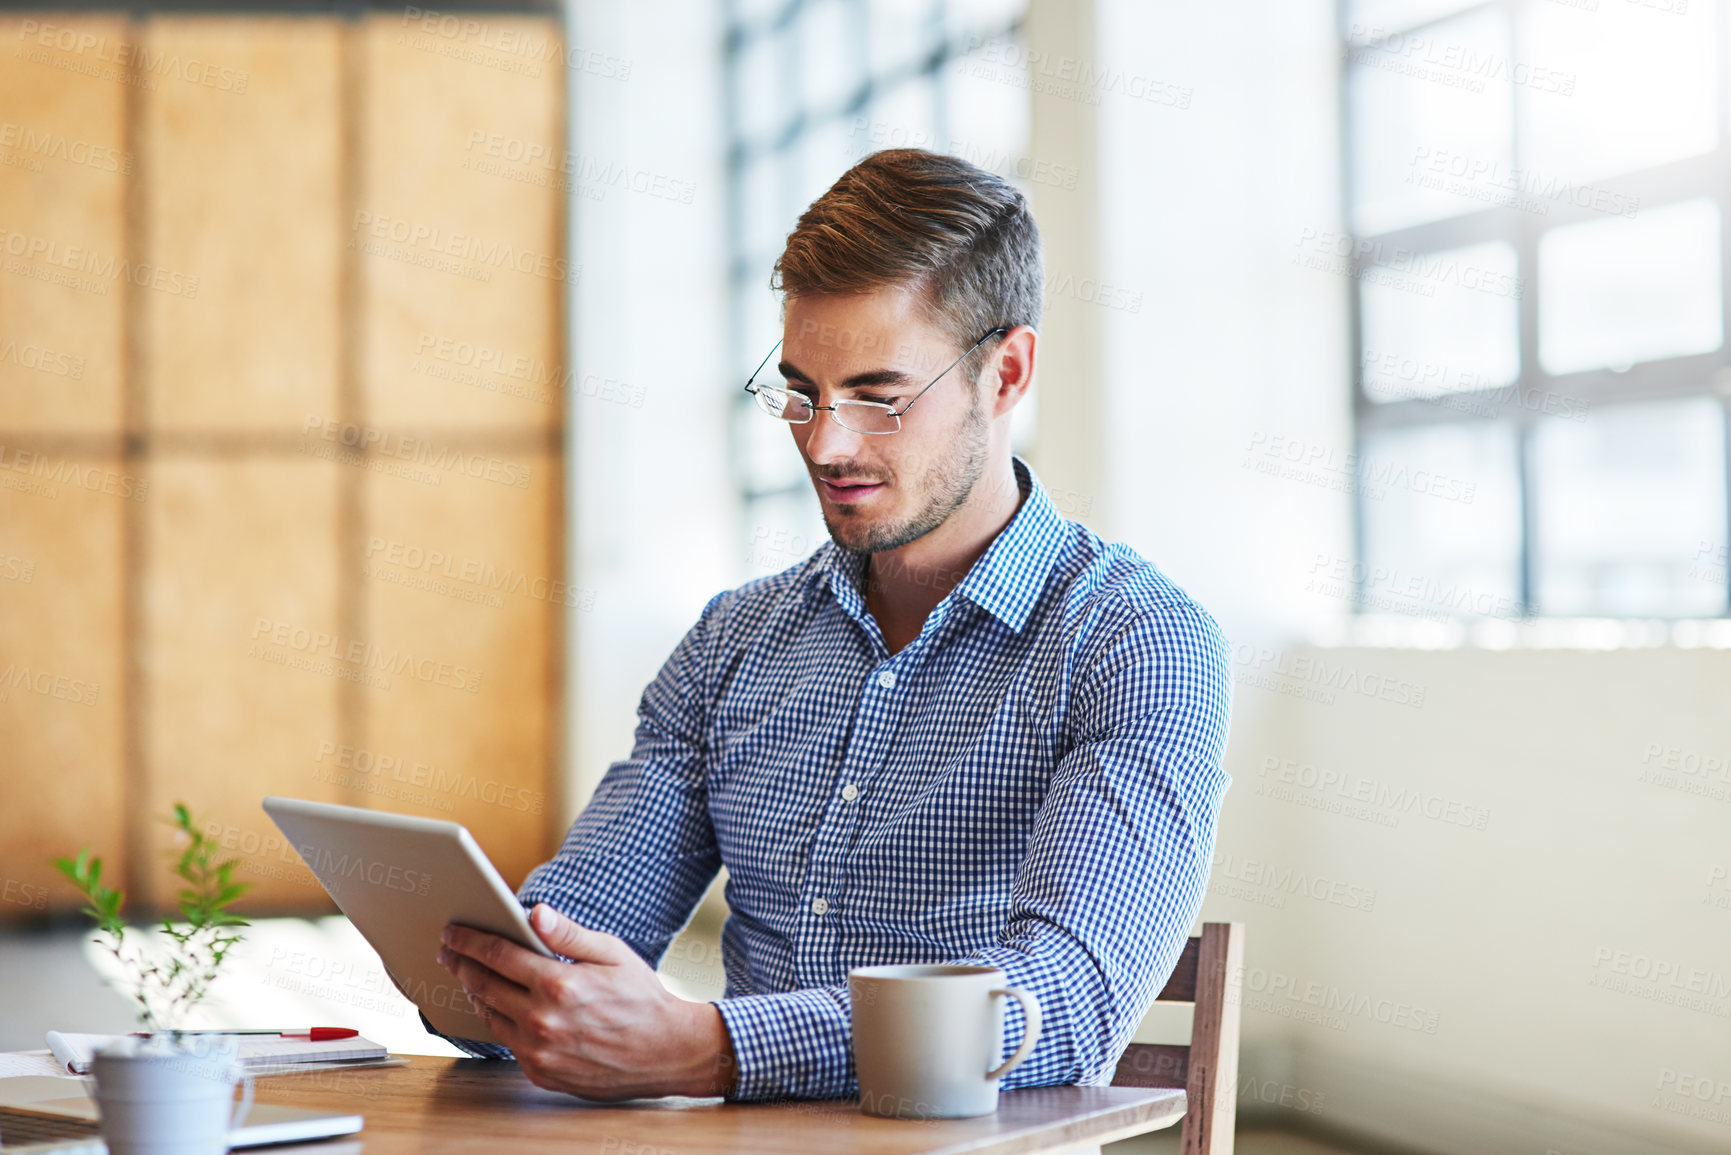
{"x":576,"y":943}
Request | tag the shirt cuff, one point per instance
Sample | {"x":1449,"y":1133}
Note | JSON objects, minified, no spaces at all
{"x":792,"y":1045}
{"x":470,"y":1047}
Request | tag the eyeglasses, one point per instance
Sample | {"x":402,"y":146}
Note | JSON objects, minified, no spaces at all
{"x":872,"y":417}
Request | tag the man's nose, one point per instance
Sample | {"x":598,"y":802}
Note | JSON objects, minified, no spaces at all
{"x":827,"y":441}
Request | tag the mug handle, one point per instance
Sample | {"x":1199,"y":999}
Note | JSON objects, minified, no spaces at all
{"x":245,"y":1104}
{"x":1030,"y":1029}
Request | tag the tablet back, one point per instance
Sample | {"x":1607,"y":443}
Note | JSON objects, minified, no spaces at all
{"x":400,"y":879}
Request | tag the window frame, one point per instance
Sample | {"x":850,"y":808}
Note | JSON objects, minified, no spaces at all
{"x":1707,"y":175}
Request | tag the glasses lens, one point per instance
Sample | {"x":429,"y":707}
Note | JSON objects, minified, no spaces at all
{"x":780,"y":403}
{"x":867,"y":417}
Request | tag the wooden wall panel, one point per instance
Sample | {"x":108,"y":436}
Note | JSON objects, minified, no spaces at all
{"x":61,"y":694}
{"x":463,"y":279}
{"x":243,"y":196}
{"x":62,"y":156}
{"x":242,"y":637}
{"x":269,"y":363}
{"x":462,"y":249}
{"x":463,"y":575}
{"x":63,"y":493}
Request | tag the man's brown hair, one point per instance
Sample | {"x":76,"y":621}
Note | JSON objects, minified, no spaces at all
{"x":960,"y":237}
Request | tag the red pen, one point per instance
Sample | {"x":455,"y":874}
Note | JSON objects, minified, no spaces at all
{"x":311,"y":1034}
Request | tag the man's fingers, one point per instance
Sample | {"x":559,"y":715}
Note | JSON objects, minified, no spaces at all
{"x":577,"y":943}
{"x":503,"y":1026}
{"x":484,"y":985}
{"x":500,"y":955}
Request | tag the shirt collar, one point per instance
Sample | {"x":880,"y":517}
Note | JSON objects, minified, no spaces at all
{"x":1007,"y":580}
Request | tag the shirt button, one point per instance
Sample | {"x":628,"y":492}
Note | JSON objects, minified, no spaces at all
{"x":820,"y":906}
{"x":850,"y":792}
{"x":887,"y":679}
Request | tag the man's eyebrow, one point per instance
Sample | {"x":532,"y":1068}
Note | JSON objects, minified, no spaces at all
{"x":877,"y":378}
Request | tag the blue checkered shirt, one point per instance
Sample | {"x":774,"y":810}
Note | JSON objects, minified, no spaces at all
{"x":1032,"y":784}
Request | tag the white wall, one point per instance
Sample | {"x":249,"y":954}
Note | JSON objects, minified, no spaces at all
{"x":653,"y":512}
{"x":1504,"y":845}
{"x":1200,"y":210}
{"x":1069,"y":394}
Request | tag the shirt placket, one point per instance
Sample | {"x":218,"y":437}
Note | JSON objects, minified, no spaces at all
{"x":880,"y":708}
{"x":883,"y":703}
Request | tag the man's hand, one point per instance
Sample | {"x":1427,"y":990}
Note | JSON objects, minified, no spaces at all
{"x":601,"y":1026}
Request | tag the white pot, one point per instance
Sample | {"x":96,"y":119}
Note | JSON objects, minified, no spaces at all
{"x":157,"y":1096}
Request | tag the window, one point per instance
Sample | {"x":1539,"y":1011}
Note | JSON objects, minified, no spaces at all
{"x":1536,"y":200}
{"x":812,"y":87}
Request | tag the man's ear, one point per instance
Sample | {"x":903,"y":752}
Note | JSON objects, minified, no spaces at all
{"x":1010,"y":368}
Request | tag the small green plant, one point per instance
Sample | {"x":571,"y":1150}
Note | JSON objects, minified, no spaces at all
{"x":170,"y":982}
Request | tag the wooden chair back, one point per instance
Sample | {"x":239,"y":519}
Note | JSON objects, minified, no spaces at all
{"x":1210,"y":973}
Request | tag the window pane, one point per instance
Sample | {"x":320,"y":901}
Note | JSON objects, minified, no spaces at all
{"x":902,"y":32}
{"x":1618,"y":291}
{"x":1631,"y":503}
{"x":1449,"y":322}
{"x":756,"y":11}
{"x":981,"y":17}
{"x":829,"y":56}
{"x":823,"y":157}
{"x":904,"y":117}
{"x":1616,"y":88}
{"x":760,"y":311}
{"x":768,"y":92}
{"x":760,"y":196}
{"x":1423,"y":107}
{"x":988,"y":124}
{"x":1442,"y":521}
{"x":1370,"y":19}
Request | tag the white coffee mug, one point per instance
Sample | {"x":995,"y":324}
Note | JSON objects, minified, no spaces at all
{"x":927,"y":1038}
{"x":161,"y":1097}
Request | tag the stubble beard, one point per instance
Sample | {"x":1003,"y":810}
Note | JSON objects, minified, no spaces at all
{"x":948,"y":484}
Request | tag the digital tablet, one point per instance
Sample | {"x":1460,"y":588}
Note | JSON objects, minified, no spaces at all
{"x":400,"y":880}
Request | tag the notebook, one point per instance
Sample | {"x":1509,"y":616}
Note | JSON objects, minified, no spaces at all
{"x":257,"y":1052}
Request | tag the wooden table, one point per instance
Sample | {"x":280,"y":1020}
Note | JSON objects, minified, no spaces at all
{"x":475,"y":1105}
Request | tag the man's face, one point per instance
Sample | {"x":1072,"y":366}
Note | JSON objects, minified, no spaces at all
{"x":881,"y":492}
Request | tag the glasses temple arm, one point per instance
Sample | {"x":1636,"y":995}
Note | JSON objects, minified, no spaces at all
{"x":764,"y":362}
{"x":952,"y":365}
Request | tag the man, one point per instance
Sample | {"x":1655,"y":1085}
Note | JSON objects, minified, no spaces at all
{"x":964,"y":730}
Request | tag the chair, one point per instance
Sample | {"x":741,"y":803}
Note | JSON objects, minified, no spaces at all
{"x":1210,"y":973}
